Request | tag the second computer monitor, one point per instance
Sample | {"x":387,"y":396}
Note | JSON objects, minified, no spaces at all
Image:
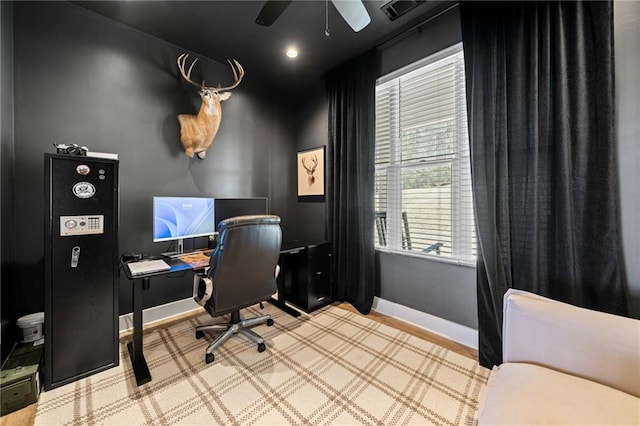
{"x":231,"y":207}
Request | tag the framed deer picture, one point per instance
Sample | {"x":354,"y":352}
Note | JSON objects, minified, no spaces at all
{"x":311,"y":172}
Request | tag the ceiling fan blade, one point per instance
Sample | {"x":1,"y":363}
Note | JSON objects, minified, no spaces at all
{"x":353,"y":12}
{"x":271,"y":11}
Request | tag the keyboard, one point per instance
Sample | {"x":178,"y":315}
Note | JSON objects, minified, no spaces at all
{"x":147,"y":267}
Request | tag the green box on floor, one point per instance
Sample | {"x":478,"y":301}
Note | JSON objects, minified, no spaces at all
{"x":19,"y":378}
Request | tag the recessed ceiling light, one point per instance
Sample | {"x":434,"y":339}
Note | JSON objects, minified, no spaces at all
{"x":292,"y":52}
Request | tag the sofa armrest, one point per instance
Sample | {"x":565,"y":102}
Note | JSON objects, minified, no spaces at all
{"x":594,"y":345}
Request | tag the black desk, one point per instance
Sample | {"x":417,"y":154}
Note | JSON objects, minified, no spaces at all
{"x":305,"y":279}
{"x":285,"y":268}
{"x":290,"y":276}
{"x":139,"y":283}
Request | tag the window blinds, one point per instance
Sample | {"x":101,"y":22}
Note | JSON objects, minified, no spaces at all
{"x":423,"y":196}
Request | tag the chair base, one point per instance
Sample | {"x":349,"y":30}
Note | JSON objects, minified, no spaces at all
{"x":235,"y":325}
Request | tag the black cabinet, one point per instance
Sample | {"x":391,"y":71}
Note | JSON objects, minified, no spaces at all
{"x":306,"y":275}
{"x":81,"y":252}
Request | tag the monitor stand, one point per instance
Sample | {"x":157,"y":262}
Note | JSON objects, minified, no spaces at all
{"x":179,"y":250}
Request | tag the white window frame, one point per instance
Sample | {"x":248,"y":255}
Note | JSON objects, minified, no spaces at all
{"x":462,"y":207}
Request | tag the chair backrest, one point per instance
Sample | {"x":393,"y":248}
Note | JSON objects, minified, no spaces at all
{"x":244,"y":262}
{"x":381,"y":227}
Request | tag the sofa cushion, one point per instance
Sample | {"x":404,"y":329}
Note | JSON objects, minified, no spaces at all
{"x":527,"y":394}
{"x":594,"y":345}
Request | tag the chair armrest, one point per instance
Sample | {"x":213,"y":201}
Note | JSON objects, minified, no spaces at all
{"x":594,"y":345}
{"x":202,"y":288}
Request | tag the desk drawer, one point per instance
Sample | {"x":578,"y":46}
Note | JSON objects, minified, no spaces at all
{"x":319,"y":276}
{"x":319,"y":291}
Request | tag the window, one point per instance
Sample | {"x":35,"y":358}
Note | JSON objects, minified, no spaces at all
{"x":423,"y":195}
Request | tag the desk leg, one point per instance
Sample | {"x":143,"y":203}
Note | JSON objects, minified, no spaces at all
{"x":138,"y":362}
{"x":280,"y":302}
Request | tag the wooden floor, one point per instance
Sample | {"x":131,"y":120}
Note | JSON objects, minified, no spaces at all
{"x":416,"y":331}
{"x":26,"y":416}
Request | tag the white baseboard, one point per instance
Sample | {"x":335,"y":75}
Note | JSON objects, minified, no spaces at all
{"x":161,"y":312}
{"x":451,"y":330}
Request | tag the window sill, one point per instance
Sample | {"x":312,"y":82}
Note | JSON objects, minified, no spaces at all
{"x":431,"y":257}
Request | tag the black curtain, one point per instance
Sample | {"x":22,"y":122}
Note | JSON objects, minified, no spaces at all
{"x":540,"y":94}
{"x":350,"y":177}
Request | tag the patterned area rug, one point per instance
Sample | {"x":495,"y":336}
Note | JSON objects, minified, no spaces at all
{"x":333,"y":367}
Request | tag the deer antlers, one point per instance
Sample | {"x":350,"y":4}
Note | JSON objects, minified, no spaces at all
{"x":310,"y":170}
{"x":238,"y":73}
{"x":314,"y":160}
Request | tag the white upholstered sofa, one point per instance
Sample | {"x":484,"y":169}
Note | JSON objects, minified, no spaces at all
{"x":563,"y":365}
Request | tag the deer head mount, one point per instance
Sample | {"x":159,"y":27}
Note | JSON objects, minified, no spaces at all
{"x":310,"y":167}
{"x":198,"y":130}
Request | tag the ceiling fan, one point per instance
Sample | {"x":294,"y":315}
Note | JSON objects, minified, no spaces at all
{"x":352,"y":11}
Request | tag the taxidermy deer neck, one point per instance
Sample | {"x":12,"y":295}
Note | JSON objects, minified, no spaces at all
{"x":197,"y":131}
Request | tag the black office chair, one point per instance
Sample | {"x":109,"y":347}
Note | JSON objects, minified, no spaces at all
{"x":242,"y":273}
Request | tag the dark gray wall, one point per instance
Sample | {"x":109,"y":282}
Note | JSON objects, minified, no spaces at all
{"x":437,"y":33}
{"x":311,"y":132}
{"x":7,"y":256}
{"x":81,"y":78}
{"x":627,"y":45}
{"x":442,"y":289}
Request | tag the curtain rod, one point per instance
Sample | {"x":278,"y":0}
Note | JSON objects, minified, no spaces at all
{"x":405,"y":33}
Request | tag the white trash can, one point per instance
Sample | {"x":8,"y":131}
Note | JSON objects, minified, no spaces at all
{"x":31,"y":326}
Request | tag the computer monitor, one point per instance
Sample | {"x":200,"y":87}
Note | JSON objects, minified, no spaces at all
{"x":230,"y":207}
{"x":177,"y":218}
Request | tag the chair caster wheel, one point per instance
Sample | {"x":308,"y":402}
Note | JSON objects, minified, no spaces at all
{"x":269,"y":322}
{"x":261,"y":347}
{"x":199,"y":334}
{"x":208,"y":358}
